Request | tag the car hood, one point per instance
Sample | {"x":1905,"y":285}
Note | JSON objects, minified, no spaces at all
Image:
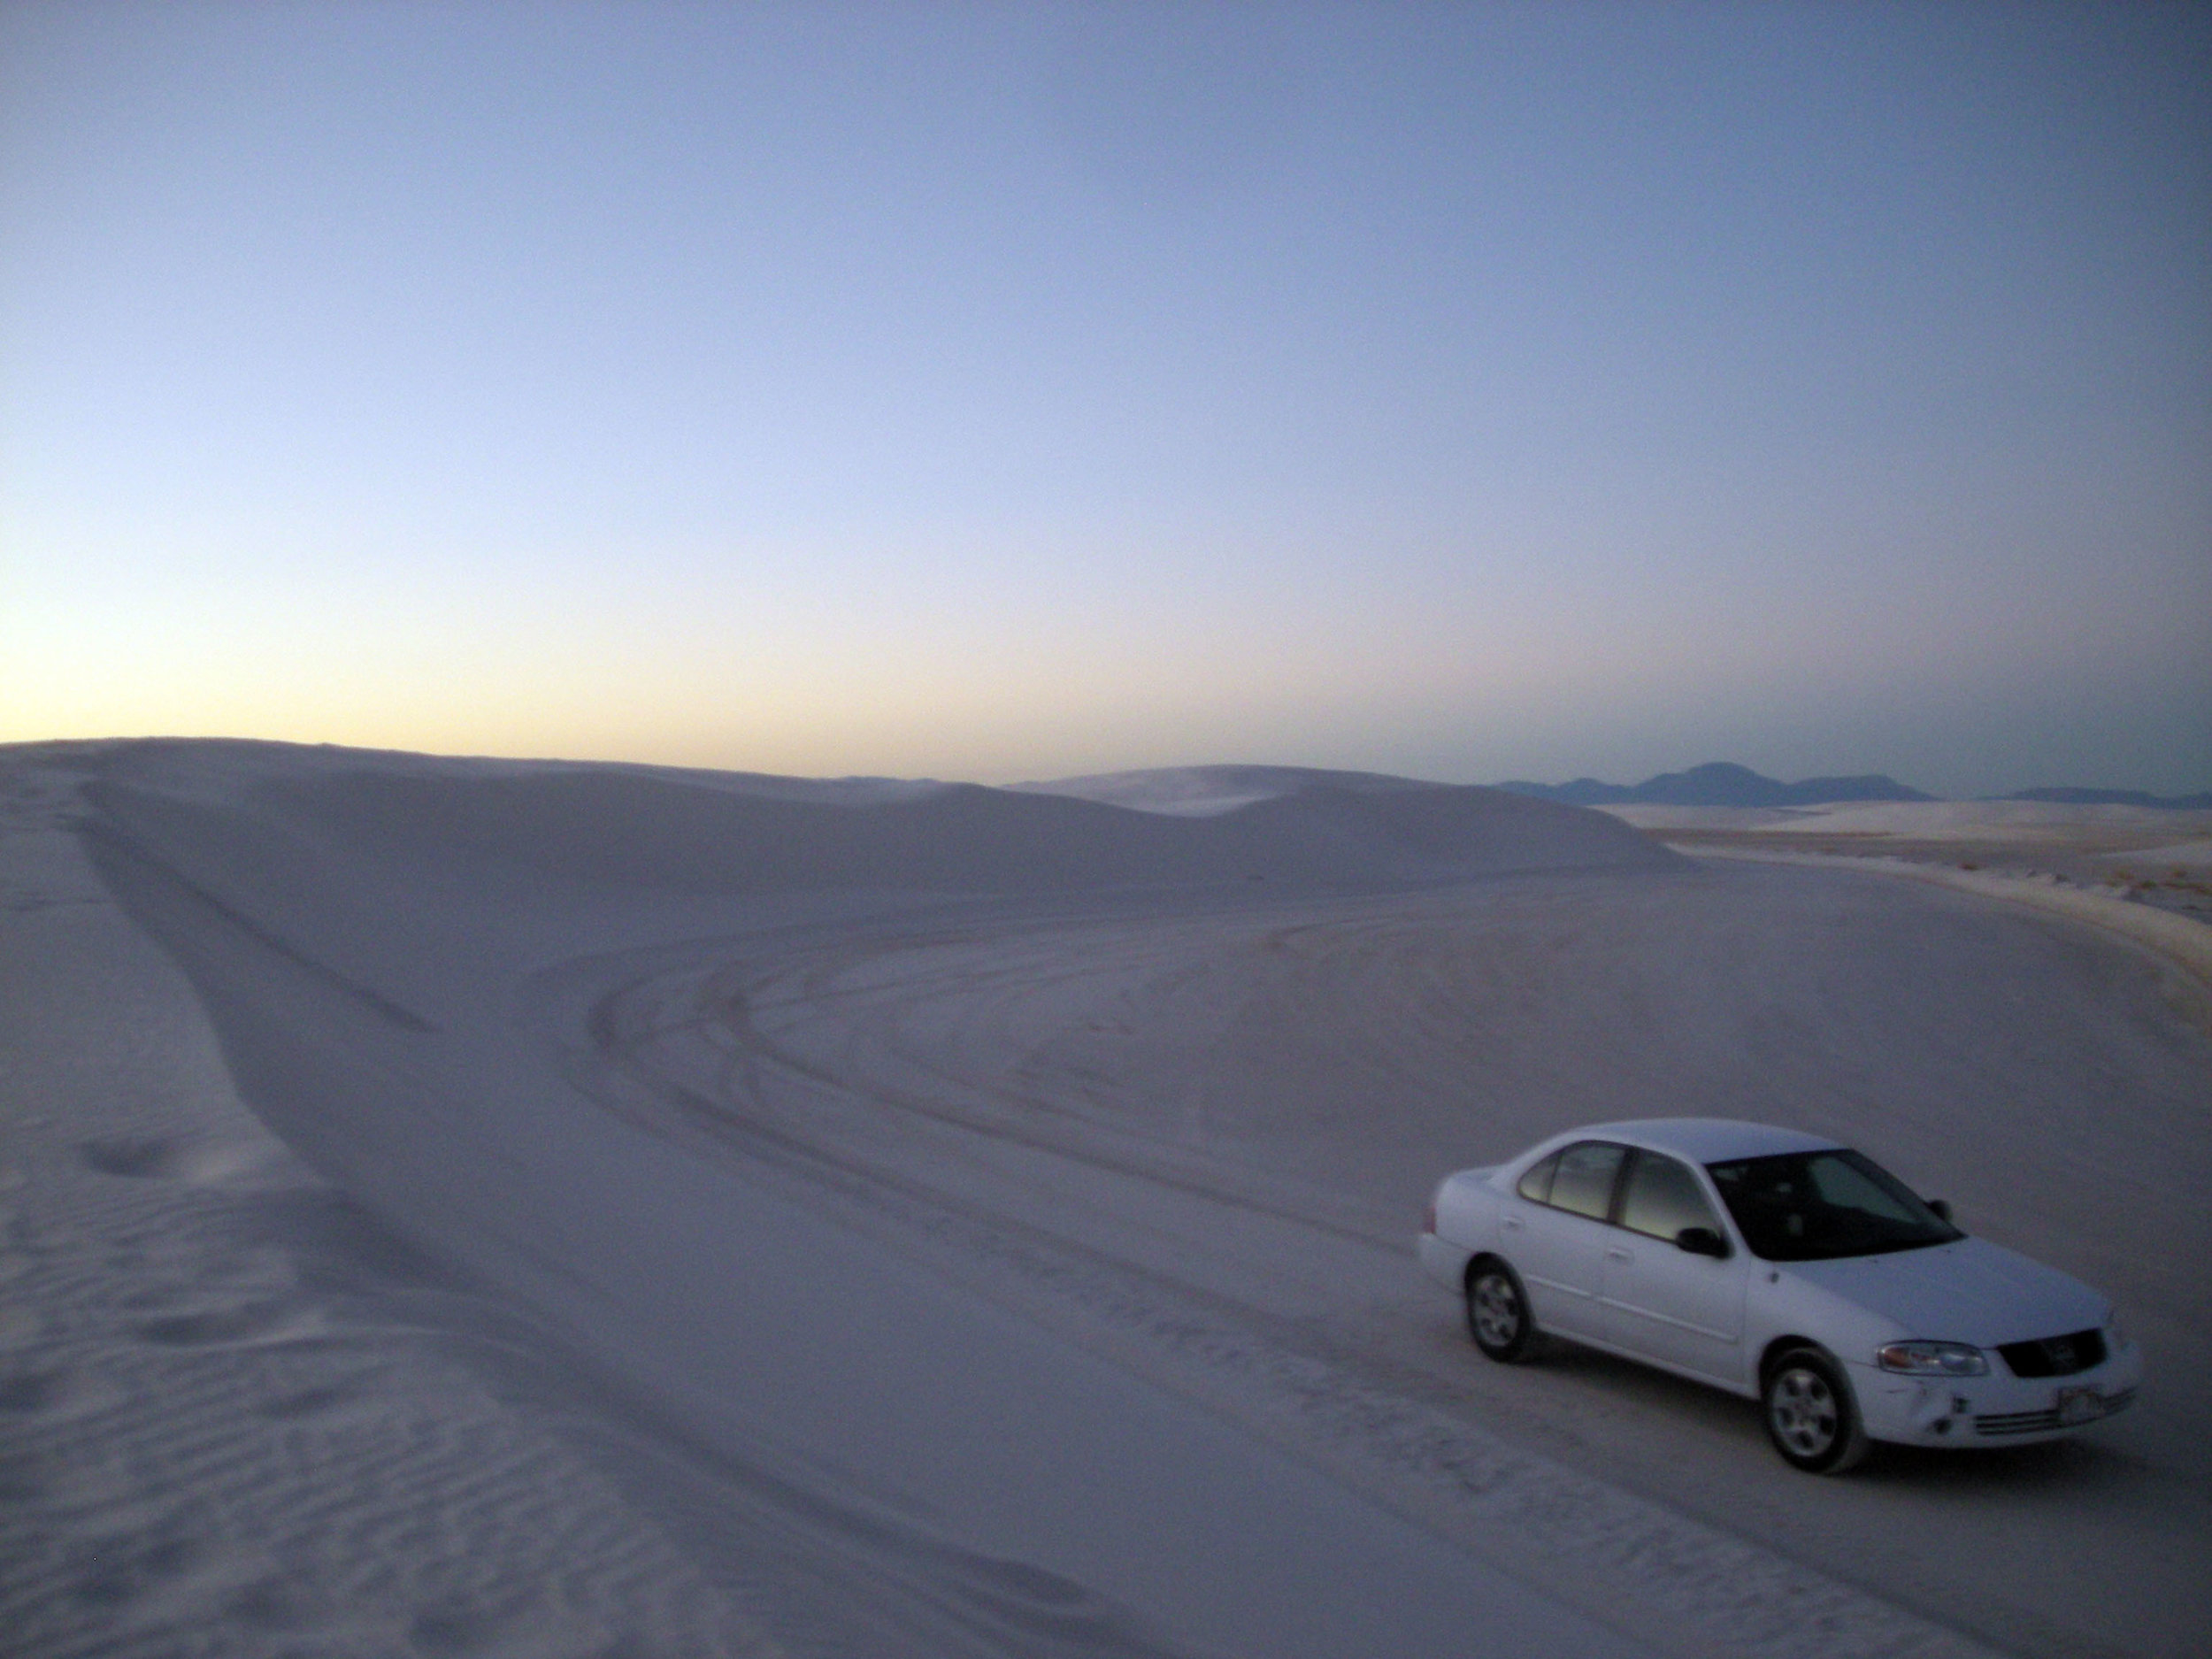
{"x":1971,"y":1291}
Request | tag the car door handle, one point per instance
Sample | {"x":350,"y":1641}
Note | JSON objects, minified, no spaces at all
{"x":1618,"y":1255}
{"x":1513,"y":1224}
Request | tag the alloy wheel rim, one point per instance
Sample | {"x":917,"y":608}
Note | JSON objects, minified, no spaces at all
{"x":1497,"y":1313}
{"x":1804,"y":1412}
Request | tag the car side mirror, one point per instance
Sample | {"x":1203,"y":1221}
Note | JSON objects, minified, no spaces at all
{"x":1700,"y":1242}
{"x":1942,"y":1208}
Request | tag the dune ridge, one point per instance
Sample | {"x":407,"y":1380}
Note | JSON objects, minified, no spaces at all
{"x":746,"y":834}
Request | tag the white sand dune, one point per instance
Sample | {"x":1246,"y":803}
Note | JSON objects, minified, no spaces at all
{"x":681,"y":1213}
{"x":1205,"y":791}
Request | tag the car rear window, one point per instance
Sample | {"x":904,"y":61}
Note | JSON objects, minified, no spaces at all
{"x":1584,"y":1181}
{"x":1536,"y":1181}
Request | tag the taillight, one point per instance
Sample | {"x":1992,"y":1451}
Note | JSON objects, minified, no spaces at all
{"x":1428,"y":1217}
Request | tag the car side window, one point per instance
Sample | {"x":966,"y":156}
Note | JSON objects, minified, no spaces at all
{"x":1583,"y":1183}
{"x":1663,"y":1197}
{"x":1536,"y":1181}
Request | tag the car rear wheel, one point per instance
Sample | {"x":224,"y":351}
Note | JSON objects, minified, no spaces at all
{"x":1497,"y":1310}
{"x":1811,"y":1417}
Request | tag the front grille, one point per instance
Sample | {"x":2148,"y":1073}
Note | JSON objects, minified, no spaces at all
{"x":2055,"y":1355}
{"x":2015,"y":1423}
{"x":2035,"y":1421}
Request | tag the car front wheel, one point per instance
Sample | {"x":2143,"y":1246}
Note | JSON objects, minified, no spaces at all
{"x":1811,"y":1416}
{"x":1497,"y":1310}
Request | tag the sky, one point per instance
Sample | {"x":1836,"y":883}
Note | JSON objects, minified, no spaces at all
{"x":1008,"y":392}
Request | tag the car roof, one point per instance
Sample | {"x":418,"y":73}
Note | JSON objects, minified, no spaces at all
{"x":1704,"y":1140}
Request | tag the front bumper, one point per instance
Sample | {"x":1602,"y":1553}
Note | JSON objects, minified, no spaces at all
{"x":1999,"y":1409}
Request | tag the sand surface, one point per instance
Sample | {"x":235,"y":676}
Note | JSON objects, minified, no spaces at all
{"x":462,"y":1206}
{"x":2148,"y":856}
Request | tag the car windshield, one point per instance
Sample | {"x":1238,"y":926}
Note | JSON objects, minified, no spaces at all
{"x":1814,"y":1206}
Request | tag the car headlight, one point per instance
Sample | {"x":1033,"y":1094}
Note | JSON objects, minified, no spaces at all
{"x":1933,"y":1359}
{"x":2115,"y":1336}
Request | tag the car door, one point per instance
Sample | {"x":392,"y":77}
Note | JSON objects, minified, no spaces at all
{"x":1555,"y":1235}
{"x":1659,"y":1300}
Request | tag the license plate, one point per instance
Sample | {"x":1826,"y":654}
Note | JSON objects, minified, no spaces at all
{"x":2080,"y":1405}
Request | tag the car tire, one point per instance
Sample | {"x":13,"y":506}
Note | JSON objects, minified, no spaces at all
{"x":1810,"y":1414}
{"x":1497,"y":1310}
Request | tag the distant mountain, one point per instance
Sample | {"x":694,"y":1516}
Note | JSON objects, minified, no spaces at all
{"x":2113,"y":797}
{"x":1719,"y":783}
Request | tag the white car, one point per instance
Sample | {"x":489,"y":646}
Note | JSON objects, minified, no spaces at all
{"x":1785,"y":1268}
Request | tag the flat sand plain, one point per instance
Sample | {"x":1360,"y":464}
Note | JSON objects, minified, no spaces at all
{"x":2146,"y":854}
